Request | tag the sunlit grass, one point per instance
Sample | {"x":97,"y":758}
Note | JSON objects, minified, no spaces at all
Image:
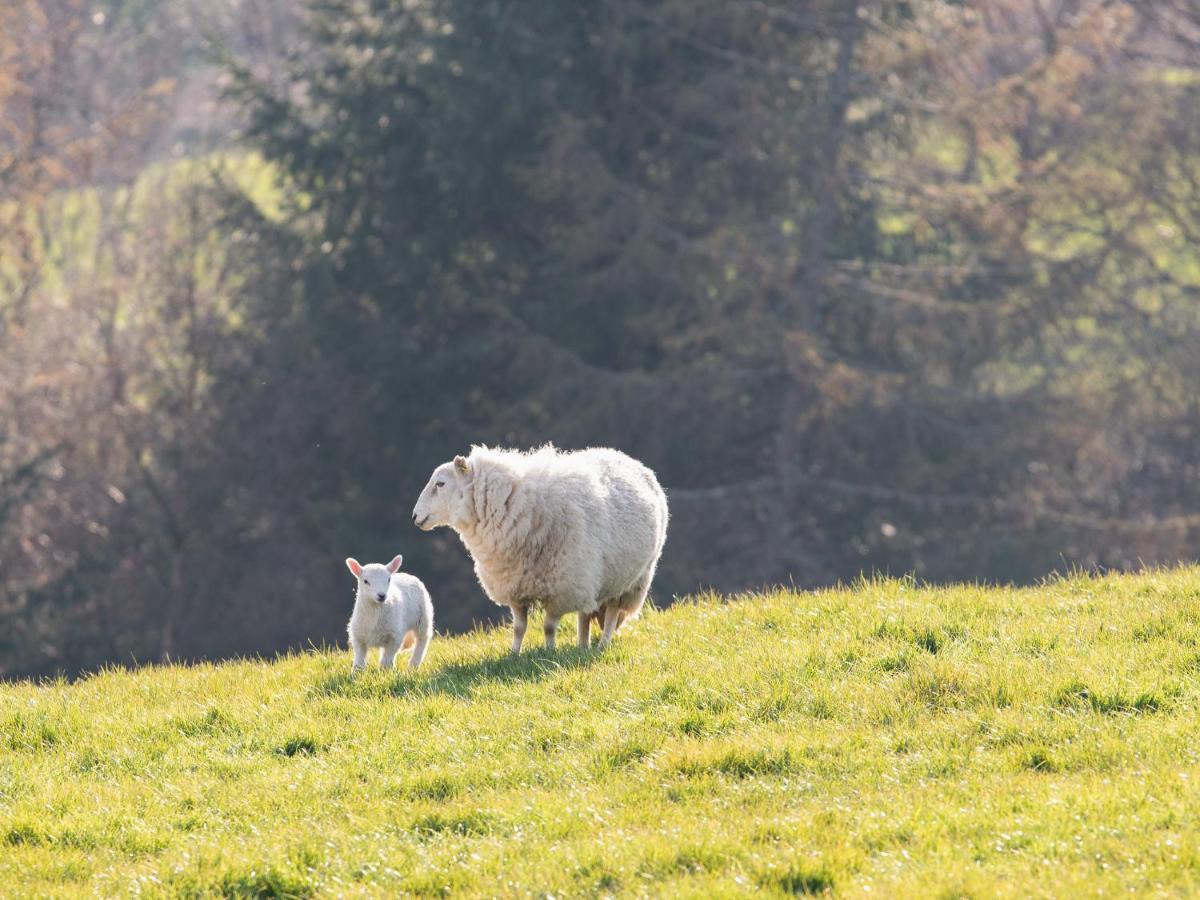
{"x":883,"y":739}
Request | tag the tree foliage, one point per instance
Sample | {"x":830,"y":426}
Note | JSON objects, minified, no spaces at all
{"x":904,"y":286}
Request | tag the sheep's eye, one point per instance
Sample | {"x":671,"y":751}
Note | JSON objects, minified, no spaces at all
{"x":440,"y":484}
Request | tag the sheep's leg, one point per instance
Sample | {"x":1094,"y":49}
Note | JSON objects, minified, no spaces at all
{"x":360,"y":657}
{"x":550,"y":630}
{"x":520,"y":622}
{"x":418,"y":653}
{"x":630,"y":603}
{"x":585,"y":630}
{"x":611,"y":615}
{"x":387,"y":656}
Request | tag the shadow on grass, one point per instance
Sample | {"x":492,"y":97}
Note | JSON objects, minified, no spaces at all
{"x":457,"y":679}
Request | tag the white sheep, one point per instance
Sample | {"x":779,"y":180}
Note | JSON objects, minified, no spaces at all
{"x":392,"y":610}
{"x":573,"y":532}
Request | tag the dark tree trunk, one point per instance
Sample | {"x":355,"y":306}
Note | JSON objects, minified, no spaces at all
{"x":802,"y":328}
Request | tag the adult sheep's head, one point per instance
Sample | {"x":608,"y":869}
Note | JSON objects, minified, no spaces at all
{"x":444,"y":500}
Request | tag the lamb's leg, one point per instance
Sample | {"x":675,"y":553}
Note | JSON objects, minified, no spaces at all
{"x":360,"y":657}
{"x":520,"y":621}
{"x":550,"y":630}
{"x":585,"y":630}
{"x":387,"y":656}
{"x":611,"y":615}
{"x":418,"y":653}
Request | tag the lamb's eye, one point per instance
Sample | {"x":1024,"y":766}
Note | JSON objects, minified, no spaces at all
{"x":440,"y":484}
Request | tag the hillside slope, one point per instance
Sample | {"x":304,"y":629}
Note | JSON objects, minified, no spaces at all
{"x":882,"y":740}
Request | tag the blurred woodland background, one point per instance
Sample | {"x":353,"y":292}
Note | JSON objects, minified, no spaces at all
{"x":902,"y":286}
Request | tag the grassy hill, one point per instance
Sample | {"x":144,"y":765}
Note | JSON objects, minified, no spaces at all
{"x":885,"y":740}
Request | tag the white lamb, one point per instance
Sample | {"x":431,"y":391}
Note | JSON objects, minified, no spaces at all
{"x":392,"y":610}
{"x":573,"y":532}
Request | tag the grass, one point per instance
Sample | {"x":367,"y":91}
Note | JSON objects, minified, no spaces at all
{"x":885,"y":740}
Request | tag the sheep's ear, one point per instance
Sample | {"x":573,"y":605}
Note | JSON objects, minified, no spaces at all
{"x":460,"y":463}
{"x":394,"y":565}
{"x":353,"y":565}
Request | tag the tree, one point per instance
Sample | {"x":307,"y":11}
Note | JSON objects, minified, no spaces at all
{"x":904,"y":286}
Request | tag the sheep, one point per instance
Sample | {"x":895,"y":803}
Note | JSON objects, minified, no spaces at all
{"x":392,"y":610}
{"x":577,"y":532}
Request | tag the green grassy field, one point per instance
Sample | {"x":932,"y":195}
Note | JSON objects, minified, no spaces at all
{"x":885,"y":740}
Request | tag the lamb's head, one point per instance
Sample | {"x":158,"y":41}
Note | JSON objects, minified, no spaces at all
{"x":444,"y":500}
{"x":374,"y":578}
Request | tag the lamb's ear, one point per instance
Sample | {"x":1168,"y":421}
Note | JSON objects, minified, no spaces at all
{"x":460,"y":464}
{"x":353,"y":565}
{"x":394,"y":565}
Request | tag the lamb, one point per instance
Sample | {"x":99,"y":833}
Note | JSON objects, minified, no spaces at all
{"x":577,"y":532}
{"x":392,"y":610}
